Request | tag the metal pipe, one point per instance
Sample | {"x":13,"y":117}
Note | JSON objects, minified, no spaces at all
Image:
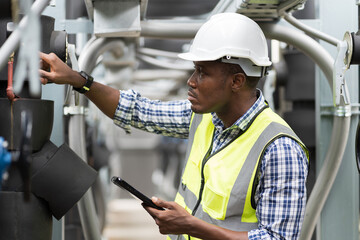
{"x":157,"y":52}
{"x":87,"y":62}
{"x":166,"y":29}
{"x":340,"y":131}
{"x":309,"y":30}
{"x":326,"y":176}
{"x":11,"y":44}
{"x":90,"y":54}
{"x":159,"y":63}
{"x":155,"y":74}
{"x":304,"y":43}
{"x":86,"y":205}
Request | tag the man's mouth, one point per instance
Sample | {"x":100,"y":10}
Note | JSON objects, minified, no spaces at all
{"x":191,"y":95}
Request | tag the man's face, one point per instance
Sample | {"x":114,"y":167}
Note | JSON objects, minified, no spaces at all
{"x":209,"y":87}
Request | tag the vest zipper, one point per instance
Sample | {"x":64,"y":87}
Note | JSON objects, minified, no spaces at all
{"x":208,"y":155}
{"x":204,"y":161}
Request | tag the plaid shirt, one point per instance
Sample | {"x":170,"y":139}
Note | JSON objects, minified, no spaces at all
{"x":281,"y":192}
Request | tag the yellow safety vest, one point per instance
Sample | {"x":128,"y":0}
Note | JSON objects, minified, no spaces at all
{"x":218,"y":188}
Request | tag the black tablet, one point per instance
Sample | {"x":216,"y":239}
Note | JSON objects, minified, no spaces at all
{"x":135,"y":193}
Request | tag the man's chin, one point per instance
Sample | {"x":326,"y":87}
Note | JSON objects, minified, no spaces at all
{"x":195,"y":109}
{"x":198,"y":110}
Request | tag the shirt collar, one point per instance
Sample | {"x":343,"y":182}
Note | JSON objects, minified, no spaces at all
{"x":245,"y":119}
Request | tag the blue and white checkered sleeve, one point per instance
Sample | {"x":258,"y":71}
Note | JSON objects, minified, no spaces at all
{"x":171,"y":118}
{"x":281,"y":193}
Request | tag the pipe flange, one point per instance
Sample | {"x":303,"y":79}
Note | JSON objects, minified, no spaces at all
{"x":349,"y":52}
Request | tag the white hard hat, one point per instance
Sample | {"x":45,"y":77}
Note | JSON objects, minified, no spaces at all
{"x":234,"y":38}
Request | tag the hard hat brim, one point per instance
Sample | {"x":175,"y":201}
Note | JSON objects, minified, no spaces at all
{"x":192,"y":57}
{"x":195,"y":58}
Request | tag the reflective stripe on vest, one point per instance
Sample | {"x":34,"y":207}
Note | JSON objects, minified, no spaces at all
{"x":229,"y":174}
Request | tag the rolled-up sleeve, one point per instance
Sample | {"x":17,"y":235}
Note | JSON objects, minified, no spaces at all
{"x":169,"y":118}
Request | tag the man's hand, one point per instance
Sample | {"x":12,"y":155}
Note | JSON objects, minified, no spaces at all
{"x":174,"y":220}
{"x":56,"y":71}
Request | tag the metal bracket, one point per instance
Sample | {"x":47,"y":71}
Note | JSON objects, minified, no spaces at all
{"x":75,"y":66}
{"x":340,"y":111}
{"x":340,"y":89}
{"x":75,"y":110}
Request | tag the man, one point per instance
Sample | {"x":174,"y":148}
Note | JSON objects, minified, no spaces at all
{"x":246,"y":170}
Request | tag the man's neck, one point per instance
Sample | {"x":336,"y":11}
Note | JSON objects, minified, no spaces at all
{"x":236,"y":111}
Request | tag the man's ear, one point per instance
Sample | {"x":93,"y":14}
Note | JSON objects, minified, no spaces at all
{"x":239,"y":80}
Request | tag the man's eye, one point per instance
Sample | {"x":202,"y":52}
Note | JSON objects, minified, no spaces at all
{"x":199,"y":71}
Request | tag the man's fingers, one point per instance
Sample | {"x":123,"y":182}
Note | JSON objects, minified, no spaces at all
{"x":43,"y":81}
{"x":44,"y":65}
{"x":44,"y":61}
{"x":44,"y":74}
{"x":148,"y":209}
{"x":45,"y":77}
{"x":50,"y":58}
{"x":44,"y":56}
{"x":161,"y":203}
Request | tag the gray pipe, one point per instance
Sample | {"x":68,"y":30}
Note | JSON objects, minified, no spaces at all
{"x":310,"y":31}
{"x":163,"y":64}
{"x":304,"y":43}
{"x":95,"y":48}
{"x":11,"y":44}
{"x":86,"y":205}
{"x":87,"y":62}
{"x":340,"y":129}
{"x":326,"y":176}
{"x":166,"y":29}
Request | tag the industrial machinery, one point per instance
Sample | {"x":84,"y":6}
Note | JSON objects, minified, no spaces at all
{"x":134,"y":44}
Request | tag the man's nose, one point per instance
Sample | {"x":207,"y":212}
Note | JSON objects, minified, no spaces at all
{"x":191,"y":82}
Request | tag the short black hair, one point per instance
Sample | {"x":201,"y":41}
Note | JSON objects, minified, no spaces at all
{"x":251,"y":82}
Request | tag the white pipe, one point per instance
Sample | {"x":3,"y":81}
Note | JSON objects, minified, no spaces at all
{"x":157,"y":52}
{"x":309,"y":30}
{"x":159,"y":63}
{"x":166,"y":29}
{"x":304,"y":43}
{"x":90,"y":54}
{"x":327,"y":175}
{"x":340,"y":131}
{"x":86,"y":205}
{"x":77,"y":141}
{"x":155,"y":74}
{"x":13,"y":40}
